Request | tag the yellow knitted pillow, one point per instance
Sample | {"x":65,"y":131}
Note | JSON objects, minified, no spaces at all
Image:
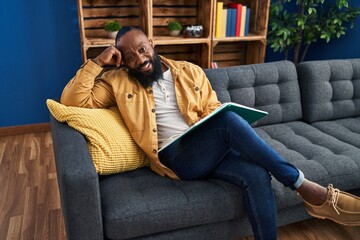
{"x":111,"y":146}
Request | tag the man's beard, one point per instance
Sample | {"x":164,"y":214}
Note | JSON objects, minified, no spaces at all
{"x":148,"y":80}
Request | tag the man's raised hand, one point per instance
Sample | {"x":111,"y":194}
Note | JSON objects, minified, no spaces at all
{"x":110,"y":56}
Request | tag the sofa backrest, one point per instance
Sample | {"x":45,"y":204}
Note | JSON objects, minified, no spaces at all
{"x":272,"y":87}
{"x":330,"y":89}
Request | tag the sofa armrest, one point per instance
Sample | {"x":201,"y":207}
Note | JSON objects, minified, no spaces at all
{"x":78,"y":183}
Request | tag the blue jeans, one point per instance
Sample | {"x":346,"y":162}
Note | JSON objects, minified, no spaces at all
{"x":227,"y":148}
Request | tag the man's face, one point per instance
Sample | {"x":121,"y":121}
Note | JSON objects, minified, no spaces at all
{"x":139,"y":56}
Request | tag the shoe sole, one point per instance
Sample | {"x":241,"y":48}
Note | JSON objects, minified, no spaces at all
{"x":352,"y":224}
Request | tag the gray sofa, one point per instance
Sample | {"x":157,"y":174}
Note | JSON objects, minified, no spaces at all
{"x":313,"y":122}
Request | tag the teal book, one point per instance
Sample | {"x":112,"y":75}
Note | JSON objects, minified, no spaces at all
{"x":247,"y":23}
{"x":228,"y":22}
{"x":251,"y":115}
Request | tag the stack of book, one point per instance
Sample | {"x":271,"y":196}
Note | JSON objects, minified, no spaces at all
{"x":232,"y":20}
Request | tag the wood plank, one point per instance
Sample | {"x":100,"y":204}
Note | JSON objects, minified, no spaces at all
{"x":175,"y":49}
{"x":94,"y":52}
{"x":29,"y":214}
{"x":100,"y":23}
{"x":170,"y":41}
{"x":12,"y":184}
{"x":174,"y":12}
{"x":222,"y":64}
{"x":56,"y":225}
{"x":82,"y":29}
{"x":14,"y":232}
{"x":146,"y":13}
{"x":175,"y":2}
{"x":183,"y":20}
{"x":95,"y":33}
{"x":229,"y":48}
{"x":191,"y":57}
{"x":23,"y":129}
{"x":2,"y":150}
{"x":229,"y":56}
{"x":111,"y":12}
{"x":104,"y":3}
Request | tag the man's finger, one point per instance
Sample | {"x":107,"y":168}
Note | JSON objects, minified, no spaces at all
{"x":118,"y":57}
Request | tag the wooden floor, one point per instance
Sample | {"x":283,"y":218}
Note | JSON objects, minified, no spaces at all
{"x":30,"y":206}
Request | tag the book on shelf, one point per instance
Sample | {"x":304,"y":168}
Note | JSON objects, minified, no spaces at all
{"x":243,"y":21}
{"x":214,"y":65}
{"x":233,"y":23}
{"x":230,"y":23}
{"x":238,"y":7}
{"x":247,"y":23}
{"x":250,"y":114}
{"x":224,"y":22}
{"x":232,"y":20}
{"x":219,"y":18}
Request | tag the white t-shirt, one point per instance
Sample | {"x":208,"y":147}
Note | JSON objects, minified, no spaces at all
{"x":170,"y":122}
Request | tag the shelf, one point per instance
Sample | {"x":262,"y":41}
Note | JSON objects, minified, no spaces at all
{"x":98,"y":42}
{"x":250,"y":37}
{"x":164,"y":40}
{"x":154,"y":15}
{"x":105,"y":42}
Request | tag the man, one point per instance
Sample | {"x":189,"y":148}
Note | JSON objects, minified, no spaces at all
{"x":160,"y":98}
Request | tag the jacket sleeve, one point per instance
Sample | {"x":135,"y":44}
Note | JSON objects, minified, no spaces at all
{"x":87,"y":90}
{"x":209,"y":98}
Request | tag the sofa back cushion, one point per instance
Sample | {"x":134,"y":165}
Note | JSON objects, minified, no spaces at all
{"x":272,"y":87}
{"x":330,"y":89}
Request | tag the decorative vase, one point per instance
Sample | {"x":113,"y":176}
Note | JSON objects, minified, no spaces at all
{"x":112,"y":34}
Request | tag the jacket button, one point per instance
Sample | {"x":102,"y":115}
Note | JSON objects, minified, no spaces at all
{"x":154,"y":129}
{"x":129,"y":95}
{"x":153,"y":110}
{"x":150,"y":91}
{"x":196,"y":88}
{"x":154,"y":151}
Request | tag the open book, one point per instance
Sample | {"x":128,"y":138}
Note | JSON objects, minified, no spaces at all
{"x":251,"y":115}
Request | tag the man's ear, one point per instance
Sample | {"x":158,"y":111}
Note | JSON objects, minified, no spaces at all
{"x":151,"y":42}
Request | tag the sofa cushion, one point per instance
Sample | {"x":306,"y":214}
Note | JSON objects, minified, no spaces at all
{"x":322,"y":158}
{"x":140,"y":202}
{"x":272,"y":87}
{"x":346,"y":130}
{"x":330,"y":89}
{"x":110,"y":144}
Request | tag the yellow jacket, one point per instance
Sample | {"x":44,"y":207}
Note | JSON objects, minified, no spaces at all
{"x":90,"y":88}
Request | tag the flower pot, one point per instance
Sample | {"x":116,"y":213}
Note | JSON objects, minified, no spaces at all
{"x":175,"y":33}
{"x":112,"y":34}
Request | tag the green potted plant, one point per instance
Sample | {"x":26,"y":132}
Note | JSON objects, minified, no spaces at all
{"x":175,"y":28}
{"x":112,"y":27}
{"x":295,"y":29}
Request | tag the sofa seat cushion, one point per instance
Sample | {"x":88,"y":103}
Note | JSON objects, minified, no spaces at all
{"x":346,"y":130}
{"x":323,"y":158}
{"x":139,"y":203}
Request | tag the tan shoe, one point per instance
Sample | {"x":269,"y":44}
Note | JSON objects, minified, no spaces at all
{"x":340,"y":207}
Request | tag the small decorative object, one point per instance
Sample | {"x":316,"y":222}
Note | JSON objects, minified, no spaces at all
{"x":193,"y":31}
{"x":112,"y":27}
{"x":175,"y":28}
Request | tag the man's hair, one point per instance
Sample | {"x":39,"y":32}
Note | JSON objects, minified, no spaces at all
{"x":124,"y":30}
